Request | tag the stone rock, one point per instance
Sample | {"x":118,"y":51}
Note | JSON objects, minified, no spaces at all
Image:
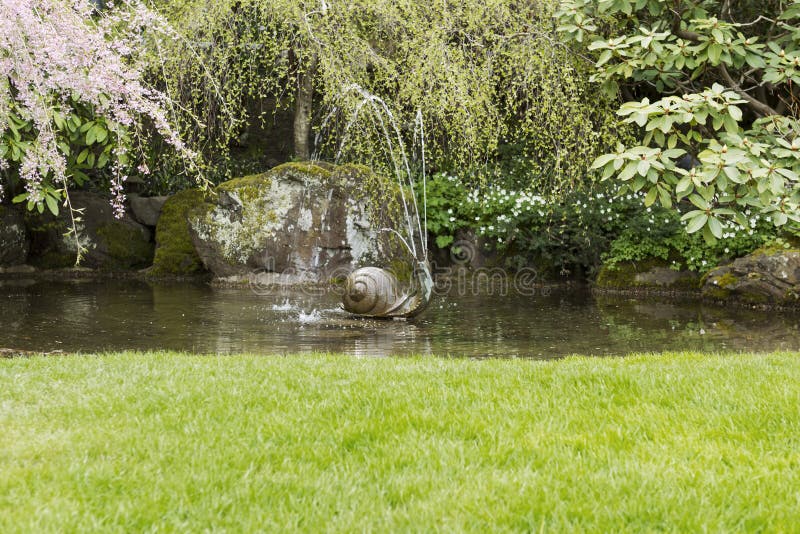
{"x":146,"y":210}
{"x":14,"y":243}
{"x":648,"y":274}
{"x":110,"y":243}
{"x":175,"y":253}
{"x":312,"y":220}
{"x":665,"y":277}
{"x":764,"y":277}
{"x":467,"y":251}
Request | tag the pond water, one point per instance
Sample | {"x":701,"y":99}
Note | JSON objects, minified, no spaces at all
{"x":92,"y":316}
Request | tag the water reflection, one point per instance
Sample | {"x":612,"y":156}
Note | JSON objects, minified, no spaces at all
{"x":116,"y":315}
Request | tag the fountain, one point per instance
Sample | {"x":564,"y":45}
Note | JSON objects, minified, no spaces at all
{"x":373,"y":291}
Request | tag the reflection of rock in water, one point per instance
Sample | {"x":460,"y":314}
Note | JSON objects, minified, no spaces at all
{"x":180,"y":314}
{"x":398,"y":339}
{"x":16,"y":304}
{"x":670,"y":323}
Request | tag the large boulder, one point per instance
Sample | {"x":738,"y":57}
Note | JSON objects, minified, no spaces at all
{"x":13,"y":237}
{"x":146,"y":210}
{"x":309,"y":221}
{"x":649,"y":275}
{"x":110,"y":243}
{"x":765,"y":277}
{"x":175,"y":253}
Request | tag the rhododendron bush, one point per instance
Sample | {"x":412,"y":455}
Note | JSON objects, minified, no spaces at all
{"x":73,"y":96}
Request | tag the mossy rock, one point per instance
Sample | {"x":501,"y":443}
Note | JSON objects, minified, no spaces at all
{"x":126,"y":246}
{"x":175,"y":253}
{"x":14,"y":241}
{"x":109,"y":243}
{"x":313,"y":220}
{"x":769,"y":276}
{"x":653,"y":273}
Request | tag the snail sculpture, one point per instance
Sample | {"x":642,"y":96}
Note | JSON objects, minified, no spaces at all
{"x":375,"y":292}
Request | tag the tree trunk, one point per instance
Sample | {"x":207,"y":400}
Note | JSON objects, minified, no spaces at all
{"x":302,"y":111}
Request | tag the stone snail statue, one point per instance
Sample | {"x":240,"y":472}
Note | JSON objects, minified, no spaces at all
{"x":375,"y":292}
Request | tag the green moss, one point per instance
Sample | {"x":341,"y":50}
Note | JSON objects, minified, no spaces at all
{"x":623,"y":275}
{"x":779,"y":246}
{"x":717,"y":293}
{"x":402,"y":269}
{"x":175,"y":252}
{"x":51,"y":259}
{"x":126,"y":245}
{"x":718,"y":287}
{"x":250,"y":181}
{"x":46,"y":233}
{"x":753,"y":298}
{"x":727,"y":279}
{"x":41,"y":226}
{"x":319,"y":170}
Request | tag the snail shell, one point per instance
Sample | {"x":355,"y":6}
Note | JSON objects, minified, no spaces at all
{"x":373,"y":292}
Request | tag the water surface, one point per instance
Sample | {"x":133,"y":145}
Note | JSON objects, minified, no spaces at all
{"x":91,"y":316}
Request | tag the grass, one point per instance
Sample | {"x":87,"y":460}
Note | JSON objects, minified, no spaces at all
{"x":170,"y":442}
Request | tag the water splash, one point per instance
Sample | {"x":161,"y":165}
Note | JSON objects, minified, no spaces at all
{"x":309,"y":318}
{"x":283,"y":307}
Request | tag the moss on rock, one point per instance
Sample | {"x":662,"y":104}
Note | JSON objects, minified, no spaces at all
{"x":49,"y":246}
{"x":127,"y":246}
{"x":107,"y":242}
{"x":653,"y":273}
{"x":175,"y":253}
{"x":769,"y":276}
{"x":246,"y":188}
{"x":14,"y":243}
{"x":623,"y":275}
{"x":314,"y":219}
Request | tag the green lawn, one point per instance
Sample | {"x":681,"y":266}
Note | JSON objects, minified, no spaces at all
{"x":168,"y":442}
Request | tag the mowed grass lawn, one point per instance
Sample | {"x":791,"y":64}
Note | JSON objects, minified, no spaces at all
{"x":314,"y":443}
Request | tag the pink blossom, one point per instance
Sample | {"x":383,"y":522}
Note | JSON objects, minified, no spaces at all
{"x":52,"y":50}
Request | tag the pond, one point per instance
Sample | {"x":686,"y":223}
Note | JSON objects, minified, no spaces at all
{"x":91,"y":316}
